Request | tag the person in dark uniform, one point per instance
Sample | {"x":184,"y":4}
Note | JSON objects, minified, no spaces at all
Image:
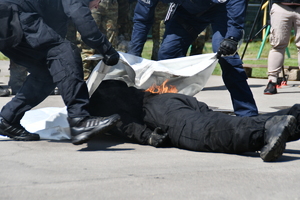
{"x":184,"y":21}
{"x":158,"y":119}
{"x":52,"y":61}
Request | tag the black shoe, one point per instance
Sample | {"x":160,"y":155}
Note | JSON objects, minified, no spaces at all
{"x":16,"y":132}
{"x":277,"y":130}
{"x":83,"y":128}
{"x":4,"y":92}
{"x":271,"y":88}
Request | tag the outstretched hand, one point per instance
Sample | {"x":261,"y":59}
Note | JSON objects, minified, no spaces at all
{"x":157,"y":138}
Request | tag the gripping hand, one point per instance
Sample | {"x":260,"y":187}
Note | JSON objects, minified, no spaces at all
{"x":111,"y":57}
{"x":228,"y":47}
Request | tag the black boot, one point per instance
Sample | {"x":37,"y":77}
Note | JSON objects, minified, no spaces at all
{"x":83,"y":128}
{"x":277,"y":131}
{"x":16,"y":132}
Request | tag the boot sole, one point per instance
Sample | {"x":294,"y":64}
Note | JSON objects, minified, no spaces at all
{"x":274,"y":149}
{"x":270,"y":93}
{"x":84,"y":137}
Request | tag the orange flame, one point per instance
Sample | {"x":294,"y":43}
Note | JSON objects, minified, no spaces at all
{"x":163,"y":88}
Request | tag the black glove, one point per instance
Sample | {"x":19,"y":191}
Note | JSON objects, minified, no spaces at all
{"x":158,"y":138}
{"x":228,"y":47}
{"x":111,"y":57}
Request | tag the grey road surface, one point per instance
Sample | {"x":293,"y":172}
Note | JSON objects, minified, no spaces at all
{"x":108,"y":167}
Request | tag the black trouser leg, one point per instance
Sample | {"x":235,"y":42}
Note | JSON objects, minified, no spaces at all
{"x":295,"y":111}
{"x":219,"y":132}
{"x":38,"y":85}
{"x":65,"y":66}
{"x":191,"y":125}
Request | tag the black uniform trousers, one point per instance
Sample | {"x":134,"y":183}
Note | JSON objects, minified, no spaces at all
{"x":189,"y":123}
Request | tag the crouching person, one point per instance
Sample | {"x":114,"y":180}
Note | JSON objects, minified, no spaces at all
{"x":184,"y":122}
{"x":33,"y":35}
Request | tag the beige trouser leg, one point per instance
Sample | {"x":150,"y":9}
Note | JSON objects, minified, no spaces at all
{"x":283,"y":19}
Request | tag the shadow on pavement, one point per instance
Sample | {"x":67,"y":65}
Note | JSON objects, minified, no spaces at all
{"x":283,"y":158}
{"x":104,"y":142}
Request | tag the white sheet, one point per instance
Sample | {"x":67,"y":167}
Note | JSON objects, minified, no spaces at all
{"x":188,"y":74}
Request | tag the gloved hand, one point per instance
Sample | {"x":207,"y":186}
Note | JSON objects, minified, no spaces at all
{"x":228,"y":47}
{"x":158,"y":138}
{"x":111,"y":57}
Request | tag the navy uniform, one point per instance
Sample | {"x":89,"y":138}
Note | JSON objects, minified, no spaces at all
{"x":54,"y":61}
{"x":17,"y":77}
{"x":183,"y":26}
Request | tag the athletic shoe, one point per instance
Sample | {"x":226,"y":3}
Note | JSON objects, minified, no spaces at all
{"x":16,"y":132}
{"x":84,"y":128}
{"x":271,"y":88}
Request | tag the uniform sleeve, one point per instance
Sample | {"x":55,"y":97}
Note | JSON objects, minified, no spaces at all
{"x":236,"y":14}
{"x":80,"y":14}
{"x":143,"y":20}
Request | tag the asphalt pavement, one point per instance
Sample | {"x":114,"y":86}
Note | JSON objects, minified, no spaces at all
{"x":108,"y":167}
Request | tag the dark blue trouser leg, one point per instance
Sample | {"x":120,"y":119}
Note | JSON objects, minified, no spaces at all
{"x":176,"y":43}
{"x":37,"y":86}
{"x":65,"y":65}
{"x":65,"y":71}
{"x":235,"y":79}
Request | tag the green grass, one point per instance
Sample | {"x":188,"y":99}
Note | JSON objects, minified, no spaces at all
{"x":2,"y":57}
{"x":250,"y":56}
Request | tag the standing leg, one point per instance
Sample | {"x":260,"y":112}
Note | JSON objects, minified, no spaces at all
{"x":281,"y":26}
{"x":233,"y":73}
{"x":38,"y":85}
{"x":297,"y":32}
{"x":35,"y":89}
{"x":65,"y":65}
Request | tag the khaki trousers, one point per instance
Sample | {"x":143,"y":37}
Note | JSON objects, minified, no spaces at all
{"x":283,"y":20}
